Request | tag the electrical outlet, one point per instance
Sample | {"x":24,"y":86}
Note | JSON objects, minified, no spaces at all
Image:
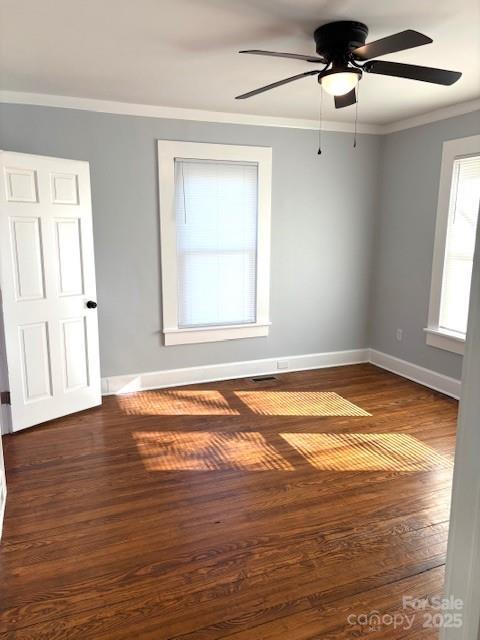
{"x":399,"y":335}
{"x":282,"y":364}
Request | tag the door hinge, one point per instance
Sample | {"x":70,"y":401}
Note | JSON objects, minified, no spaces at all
{"x":5,"y":397}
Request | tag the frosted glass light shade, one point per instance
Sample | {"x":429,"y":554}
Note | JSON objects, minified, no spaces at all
{"x":338,"y":84}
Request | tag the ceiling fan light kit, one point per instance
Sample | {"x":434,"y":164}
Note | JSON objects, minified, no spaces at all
{"x":338,"y":81}
{"x":342,"y":49}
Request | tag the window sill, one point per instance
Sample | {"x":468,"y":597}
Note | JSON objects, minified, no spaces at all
{"x":447,"y":340}
{"x":215,"y":334}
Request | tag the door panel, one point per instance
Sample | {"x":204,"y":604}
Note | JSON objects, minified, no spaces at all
{"x":21,"y":185}
{"x":75,"y":353}
{"x":64,"y":188}
{"x":35,"y":362}
{"x":27,"y":258}
{"x":70,"y":272}
{"x":47,"y":276}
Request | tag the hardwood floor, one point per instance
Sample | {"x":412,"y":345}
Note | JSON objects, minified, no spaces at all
{"x":240,"y":510}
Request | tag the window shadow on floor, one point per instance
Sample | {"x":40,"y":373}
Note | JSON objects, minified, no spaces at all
{"x":253,"y":451}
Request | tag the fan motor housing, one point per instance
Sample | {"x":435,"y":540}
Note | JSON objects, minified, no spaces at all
{"x":335,"y":40}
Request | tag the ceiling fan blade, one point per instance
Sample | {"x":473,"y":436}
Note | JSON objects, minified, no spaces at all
{"x":345,"y":100}
{"x":397,"y":42}
{"x":276,"y":84}
{"x":276,"y":54}
{"x":412,"y":72}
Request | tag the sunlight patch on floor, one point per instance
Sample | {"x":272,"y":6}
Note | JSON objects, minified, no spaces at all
{"x":208,"y":451}
{"x":177,"y":403}
{"x":366,"y":452}
{"x":234,"y":403}
{"x":298,"y":403}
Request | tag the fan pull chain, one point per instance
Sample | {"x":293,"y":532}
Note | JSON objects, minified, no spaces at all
{"x":319,"y":152}
{"x":356,"y":116}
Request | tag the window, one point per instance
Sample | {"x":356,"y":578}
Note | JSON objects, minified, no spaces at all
{"x":215,"y":241}
{"x":457,"y":216}
{"x":216,"y":222}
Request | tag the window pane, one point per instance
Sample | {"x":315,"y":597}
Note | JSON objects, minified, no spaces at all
{"x":460,"y":246}
{"x":216,"y":221}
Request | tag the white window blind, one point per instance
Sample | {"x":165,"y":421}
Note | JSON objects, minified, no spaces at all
{"x":216,"y":209}
{"x":460,"y":244}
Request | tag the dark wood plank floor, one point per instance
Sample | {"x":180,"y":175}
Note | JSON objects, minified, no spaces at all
{"x":231,"y":510}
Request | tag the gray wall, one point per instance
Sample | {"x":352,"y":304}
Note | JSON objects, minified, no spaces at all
{"x":409,"y":181}
{"x":323,"y":220}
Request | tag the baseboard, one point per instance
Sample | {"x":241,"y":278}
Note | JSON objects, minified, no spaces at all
{"x":427,"y":377}
{"x":129,"y":383}
{"x":113,"y":385}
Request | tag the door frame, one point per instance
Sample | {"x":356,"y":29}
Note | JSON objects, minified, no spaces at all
{"x":463,"y":554}
{"x":5,"y":413}
{"x":4,"y":416}
{"x":3,"y":486}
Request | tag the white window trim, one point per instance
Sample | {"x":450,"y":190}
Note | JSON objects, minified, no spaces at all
{"x":168,"y":150}
{"x":435,"y":335}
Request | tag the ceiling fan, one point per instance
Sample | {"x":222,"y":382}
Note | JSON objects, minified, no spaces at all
{"x":341,"y":48}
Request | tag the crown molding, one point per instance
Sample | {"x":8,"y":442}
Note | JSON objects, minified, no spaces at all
{"x":200,"y":115}
{"x":176,"y":113}
{"x":433,"y":116}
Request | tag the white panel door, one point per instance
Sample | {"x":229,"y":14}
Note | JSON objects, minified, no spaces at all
{"x":48,"y":287}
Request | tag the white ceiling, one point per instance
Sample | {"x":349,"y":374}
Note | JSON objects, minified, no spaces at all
{"x":183,"y":53}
